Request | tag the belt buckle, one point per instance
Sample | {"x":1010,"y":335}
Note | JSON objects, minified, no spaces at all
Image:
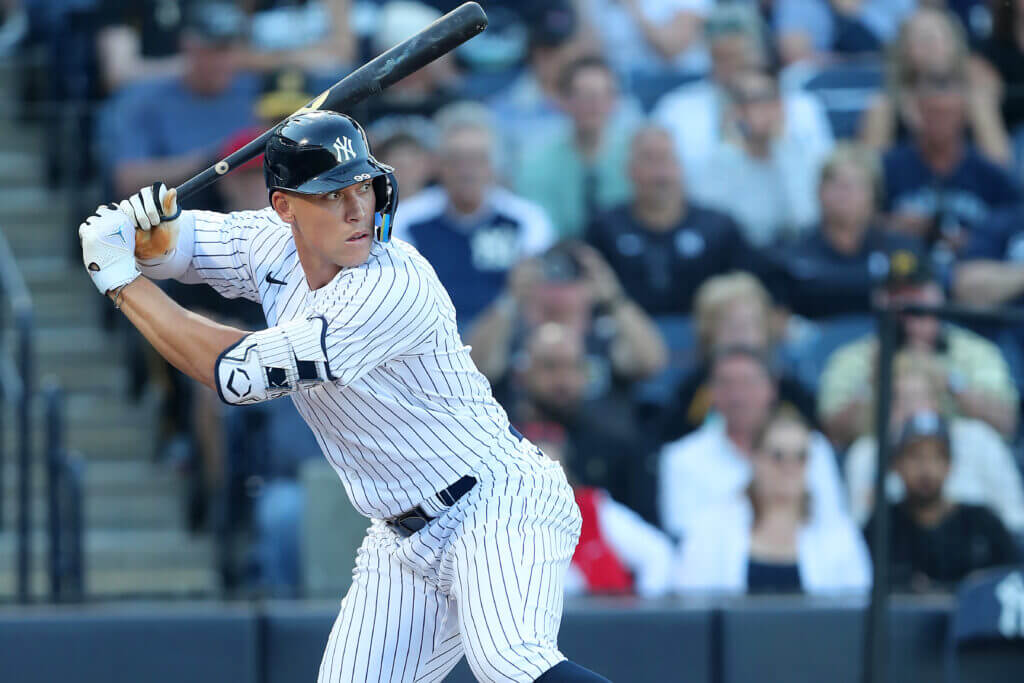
{"x":410,"y":522}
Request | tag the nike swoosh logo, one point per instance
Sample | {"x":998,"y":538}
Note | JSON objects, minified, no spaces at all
{"x":271,"y":280}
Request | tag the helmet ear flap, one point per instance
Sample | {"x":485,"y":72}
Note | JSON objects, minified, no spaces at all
{"x":386,"y":189}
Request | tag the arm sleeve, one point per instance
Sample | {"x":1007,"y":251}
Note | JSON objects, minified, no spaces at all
{"x":379,"y":313}
{"x":645,"y":549}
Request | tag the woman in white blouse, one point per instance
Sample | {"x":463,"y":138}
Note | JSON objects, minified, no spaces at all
{"x":766,"y":540}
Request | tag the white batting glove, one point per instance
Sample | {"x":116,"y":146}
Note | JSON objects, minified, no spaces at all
{"x":155,"y":211}
{"x":108,"y":248}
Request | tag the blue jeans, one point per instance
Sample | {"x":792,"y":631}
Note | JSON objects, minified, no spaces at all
{"x":279,"y":512}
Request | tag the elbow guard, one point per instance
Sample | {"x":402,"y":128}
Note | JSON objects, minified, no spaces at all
{"x":274,"y":362}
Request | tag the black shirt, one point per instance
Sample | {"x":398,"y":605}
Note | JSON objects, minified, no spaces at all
{"x":814,"y":280}
{"x":772,"y":577}
{"x":966,"y":194}
{"x":969,"y":538}
{"x":158,"y":23}
{"x":662,"y":271}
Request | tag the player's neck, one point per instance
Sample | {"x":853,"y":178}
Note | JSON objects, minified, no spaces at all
{"x":317,"y":269}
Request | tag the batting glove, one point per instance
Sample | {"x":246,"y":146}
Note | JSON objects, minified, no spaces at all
{"x":155,"y":211}
{"x":108,"y":248}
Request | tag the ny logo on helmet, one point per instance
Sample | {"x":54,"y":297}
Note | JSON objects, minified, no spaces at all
{"x":345,"y":148}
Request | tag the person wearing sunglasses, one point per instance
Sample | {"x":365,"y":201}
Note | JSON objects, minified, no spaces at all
{"x":767,"y":539}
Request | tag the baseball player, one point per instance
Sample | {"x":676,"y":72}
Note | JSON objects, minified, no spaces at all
{"x":472,"y":526}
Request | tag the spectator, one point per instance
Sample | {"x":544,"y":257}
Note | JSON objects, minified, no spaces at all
{"x":651,"y":36}
{"x":472,"y":231}
{"x":766,"y":539}
{"x":1000,"y":57}
{"x":139,"y":41}
{"x":818,"y":29}
{"x":660,"y":245}
{"x":596,"y":455}
{"x":935,"y":542}
{"x":171,"y":128}
{"x":938,"y":187}
{"x":572,"y":286}
{"x":700,"y":115}
{"x":730,"y":310}
{"x":409,"y":144}
{"x":977,"y":372}
{"x":983,"y":470}
{"x":529,"y":108}
{"x":280,"y":503}
{"x":425,"y":91}
{"x":834,"y":269}
{"x":577,"y":172}
{"x":244,"y":189}
{"x":771,"y":178}
{"x":713,"y":464}
{"x":990,"y":271}
{"x":932,"y":43}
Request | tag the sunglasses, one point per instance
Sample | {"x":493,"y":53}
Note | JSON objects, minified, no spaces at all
{"x":779,"y":455}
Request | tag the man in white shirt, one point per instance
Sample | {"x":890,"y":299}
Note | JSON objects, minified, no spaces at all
{"x":699,"y":115}
{"x":712,"y":464}
{"x":773,"y":178}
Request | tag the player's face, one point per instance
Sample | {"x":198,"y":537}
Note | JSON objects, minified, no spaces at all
{"x":337,"y":225}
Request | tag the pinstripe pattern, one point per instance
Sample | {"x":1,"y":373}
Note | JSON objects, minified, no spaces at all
{"x":408,"y":415}
{"x":484,"y":580}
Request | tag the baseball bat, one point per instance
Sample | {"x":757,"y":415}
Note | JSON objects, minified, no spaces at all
{"x":412,"y":54}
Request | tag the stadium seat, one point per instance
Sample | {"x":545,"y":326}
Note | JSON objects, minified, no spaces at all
{"x":845,"y":89}
{"x":986,"y":642}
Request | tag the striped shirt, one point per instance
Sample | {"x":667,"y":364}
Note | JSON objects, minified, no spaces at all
{"x":408,"y":413}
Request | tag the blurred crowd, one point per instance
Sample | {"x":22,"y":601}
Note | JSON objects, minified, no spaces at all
{"x":663,"y":225}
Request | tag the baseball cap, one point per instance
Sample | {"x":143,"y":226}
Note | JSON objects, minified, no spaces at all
{"x":923,"y":425}
{"x":284,"y":92}
{"x":216,"y":22}
{"x":552,"y":24}
{"x":908,"y":266}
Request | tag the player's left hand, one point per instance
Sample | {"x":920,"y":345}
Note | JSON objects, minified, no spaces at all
{"x":108,"y":248}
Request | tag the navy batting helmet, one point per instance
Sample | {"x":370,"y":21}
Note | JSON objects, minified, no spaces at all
{"x":322,"y":151}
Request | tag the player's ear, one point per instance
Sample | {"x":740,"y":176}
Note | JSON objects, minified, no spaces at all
{"x":283,"y":206}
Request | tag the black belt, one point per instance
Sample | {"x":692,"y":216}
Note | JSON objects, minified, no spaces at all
{"x":408,"y":523}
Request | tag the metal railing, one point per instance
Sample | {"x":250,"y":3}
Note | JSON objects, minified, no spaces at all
{"x":64,"y":475}
{"x":876,"y":641}
{"x":16,"y":381}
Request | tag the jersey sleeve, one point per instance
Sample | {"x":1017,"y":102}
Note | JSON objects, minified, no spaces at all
{"x":378,"y":313}
{"x":227,"y":247}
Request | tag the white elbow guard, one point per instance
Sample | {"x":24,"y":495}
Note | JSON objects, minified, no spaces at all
{"x":175,"y":264}
{"x":274,"y":362}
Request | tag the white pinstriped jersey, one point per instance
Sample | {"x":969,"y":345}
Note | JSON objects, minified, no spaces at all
{"x":409,"y":413}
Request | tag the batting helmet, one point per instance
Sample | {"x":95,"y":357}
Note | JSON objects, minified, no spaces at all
{"x":322,"y":151}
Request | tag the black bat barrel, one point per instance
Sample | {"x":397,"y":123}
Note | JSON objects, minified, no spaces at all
{"x":412,"y":54}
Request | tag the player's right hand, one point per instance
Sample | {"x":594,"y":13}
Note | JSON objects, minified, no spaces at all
{"x":155,"y":211}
